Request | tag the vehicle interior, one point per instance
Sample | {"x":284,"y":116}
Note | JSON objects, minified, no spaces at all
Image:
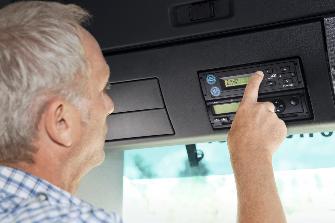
{"x":178,"y":73}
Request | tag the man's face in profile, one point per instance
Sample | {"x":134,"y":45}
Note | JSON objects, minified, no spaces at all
{"x":99,"y":104}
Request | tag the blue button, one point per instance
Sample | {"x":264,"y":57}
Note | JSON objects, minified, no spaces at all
{"x":215,"y":91}
{"x":211,"y":79}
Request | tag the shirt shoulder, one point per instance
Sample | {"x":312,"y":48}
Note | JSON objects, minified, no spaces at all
{"x":26,"y":198}
{"x":42,"y":212}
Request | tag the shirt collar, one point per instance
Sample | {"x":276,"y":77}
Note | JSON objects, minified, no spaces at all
{"x":22,"y":184}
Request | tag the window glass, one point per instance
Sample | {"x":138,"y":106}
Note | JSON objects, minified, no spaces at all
{"x":161,"y":186}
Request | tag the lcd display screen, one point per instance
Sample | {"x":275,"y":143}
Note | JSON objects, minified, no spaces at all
{"x":236,"y":82}
{"x":220,"y":109}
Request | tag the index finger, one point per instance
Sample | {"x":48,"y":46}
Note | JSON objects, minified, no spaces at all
{"x":251,"y":91}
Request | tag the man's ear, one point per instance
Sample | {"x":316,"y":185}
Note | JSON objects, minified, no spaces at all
{"x":62,"y":122}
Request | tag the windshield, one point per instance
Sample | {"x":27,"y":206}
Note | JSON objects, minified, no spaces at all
{"x":160,"y":185}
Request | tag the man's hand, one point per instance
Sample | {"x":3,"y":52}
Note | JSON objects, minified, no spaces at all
{"x":256,"y":129}
{"x":254,"y":136}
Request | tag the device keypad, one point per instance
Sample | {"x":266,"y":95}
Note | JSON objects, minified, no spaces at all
{"x":281,"y":76}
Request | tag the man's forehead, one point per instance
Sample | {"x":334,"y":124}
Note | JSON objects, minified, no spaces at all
{"x":93,"y":52}
{"x":91,"y":46}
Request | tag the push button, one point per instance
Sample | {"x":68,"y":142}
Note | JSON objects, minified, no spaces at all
{"x":288,"y":81}
{"x":294,"y":101}
{"x":211,"y":79}
{"x":285,"y":69}
{"x":280,"y":106}
{"x":270,"y":83}
{"x":217,"y":121}
{"x":215,"y":91}
{"x":225,"y":120}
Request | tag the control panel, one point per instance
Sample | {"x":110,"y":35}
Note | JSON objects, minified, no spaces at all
{"x":283,"y":85}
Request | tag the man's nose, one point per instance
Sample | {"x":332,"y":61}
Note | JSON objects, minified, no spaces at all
{"x":110,"y":105}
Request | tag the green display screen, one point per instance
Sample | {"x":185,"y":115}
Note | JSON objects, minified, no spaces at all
{"x":220,"y":109}
{"x":234,"y":82}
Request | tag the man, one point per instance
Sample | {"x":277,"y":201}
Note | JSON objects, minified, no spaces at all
{"x":54,"y":105}
{"x":53,"y":123}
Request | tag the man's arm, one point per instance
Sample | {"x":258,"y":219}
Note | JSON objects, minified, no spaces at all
{"x":255,"y":135}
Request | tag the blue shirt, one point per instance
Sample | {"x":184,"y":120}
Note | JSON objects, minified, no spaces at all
{"x":25,"y":198}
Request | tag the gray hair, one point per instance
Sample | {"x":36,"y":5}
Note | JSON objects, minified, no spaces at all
{"x":41,"y":56}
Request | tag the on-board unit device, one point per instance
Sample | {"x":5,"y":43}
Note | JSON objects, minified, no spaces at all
{"x":283,"y":85}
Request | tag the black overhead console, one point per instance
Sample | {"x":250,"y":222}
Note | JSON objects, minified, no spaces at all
{"x":179,"y":68}
{"x":129,"y":24}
